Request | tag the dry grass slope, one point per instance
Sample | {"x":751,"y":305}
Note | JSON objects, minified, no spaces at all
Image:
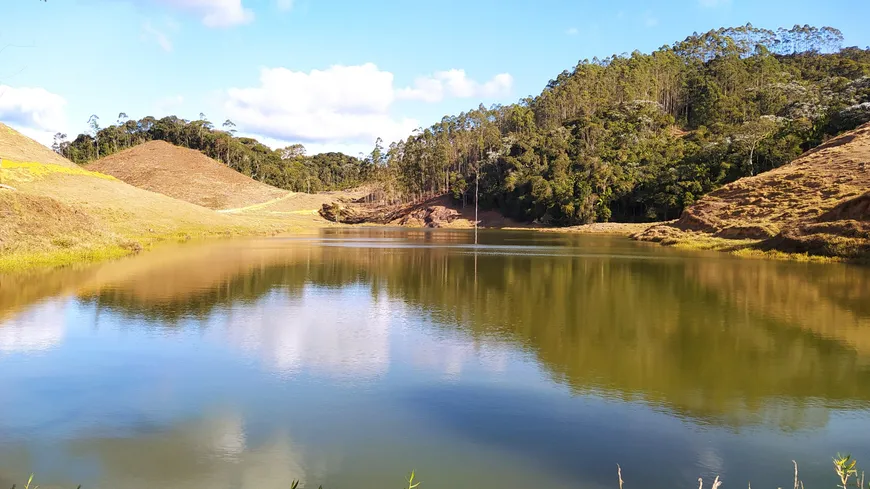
{"x":818,"y":204}
{"x":185,"y":174}
{"x":18,"y":147}
{"x":60,"y":214}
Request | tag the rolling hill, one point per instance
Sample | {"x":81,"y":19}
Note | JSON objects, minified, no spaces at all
{"x":187,"y":175}
{"x":56,"y":213}
{"x":817,"y":204}
{"x":20,"y":148}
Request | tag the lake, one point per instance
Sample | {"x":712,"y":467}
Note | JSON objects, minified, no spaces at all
{"x":351,"y":357}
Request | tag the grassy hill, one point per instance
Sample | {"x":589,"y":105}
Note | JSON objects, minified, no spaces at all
{"x":57,"y":213}
{"x":187,"y":175}
{"x":20,"y":148}
{"x":817,"y":204}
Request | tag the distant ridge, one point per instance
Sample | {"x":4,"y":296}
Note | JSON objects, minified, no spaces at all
{"x":185,"y":174}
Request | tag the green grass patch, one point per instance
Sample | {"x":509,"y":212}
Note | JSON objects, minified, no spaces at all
{"x":24,"y":261}
{"x":39,"y":170}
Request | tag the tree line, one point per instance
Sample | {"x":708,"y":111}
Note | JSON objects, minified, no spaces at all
{"x":630,"y":137}
{"x":289,"y":168}
{"x":639,"y":136}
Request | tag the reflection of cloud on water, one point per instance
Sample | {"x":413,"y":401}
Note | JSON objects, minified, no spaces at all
{"x":451,"y":355}
{"x":37,"y":328}
{"x":347,"y":333}
{"x":222,"y":437}
{"x":214,"y":452}
{"x":339,"y":333}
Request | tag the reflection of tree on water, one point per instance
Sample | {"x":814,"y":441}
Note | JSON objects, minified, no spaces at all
{"x":660,"y":330}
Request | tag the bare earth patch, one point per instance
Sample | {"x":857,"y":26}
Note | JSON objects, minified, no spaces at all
{"x":437,"y":212}
{"x":185,"y":174}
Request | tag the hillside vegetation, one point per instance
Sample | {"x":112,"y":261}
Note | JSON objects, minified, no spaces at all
{"x":818,"y":203}
{"x":58,"y":213}
{"x":287,"y":168}
{"x":638,"y":137}
{"x":628,"y":138}
{"x":186,"y":175}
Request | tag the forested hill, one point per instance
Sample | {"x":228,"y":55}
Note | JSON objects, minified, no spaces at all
{"x":289,"y":168}
{"x":639,"y":136}
{"x":631,"y":137}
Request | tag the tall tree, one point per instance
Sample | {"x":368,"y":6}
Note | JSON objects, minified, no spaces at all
{"x":94,"y":124}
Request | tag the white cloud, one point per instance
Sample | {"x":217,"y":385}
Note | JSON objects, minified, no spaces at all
{"x":45,"y":138}
{"x":284,"y":4}
{"x":353,"y":149}
{"x":349,"y":104}
{"x":35,"y":112}
{"x":456,"y":83}
{"x":573,"y":31}
{"x":149,"y":32}
{"x":714,"y":3}
{"x":214,"y":13}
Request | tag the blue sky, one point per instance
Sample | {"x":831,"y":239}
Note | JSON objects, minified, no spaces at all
{"x":333,"y":74}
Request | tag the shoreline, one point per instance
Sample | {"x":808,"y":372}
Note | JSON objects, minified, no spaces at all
{"x":29,"y":261}
{"x":101,"y":252}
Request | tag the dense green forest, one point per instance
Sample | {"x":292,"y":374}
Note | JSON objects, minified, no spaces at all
{"x":288,"y":168}
{"x":640,"y":136}
{"x":631,"y":137}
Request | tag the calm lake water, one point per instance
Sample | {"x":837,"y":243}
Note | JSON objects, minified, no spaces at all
{"x":349,"y":358}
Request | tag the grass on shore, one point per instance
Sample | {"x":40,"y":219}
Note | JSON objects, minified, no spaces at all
{"x":742,"y":248}
{"x":17,"y":262}
{"x":56,"y":216}
{"x":845,"y":467}
{"x":65,"y":253}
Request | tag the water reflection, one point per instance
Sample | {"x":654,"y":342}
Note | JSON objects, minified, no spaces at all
{"x":37,"y":328}
{"x":541,"y":355}
{"x":717,"y":340}
{"x":212,"y":452}
{"x":311,"y":332}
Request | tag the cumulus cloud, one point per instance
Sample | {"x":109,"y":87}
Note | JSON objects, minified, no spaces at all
{"x":456,"y":83}
{"x":351,"y":105}
{"x":340,"y":104}
{"x":314,"y":148}
{"x":36,"y":112}
{"x":214,"y":13}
